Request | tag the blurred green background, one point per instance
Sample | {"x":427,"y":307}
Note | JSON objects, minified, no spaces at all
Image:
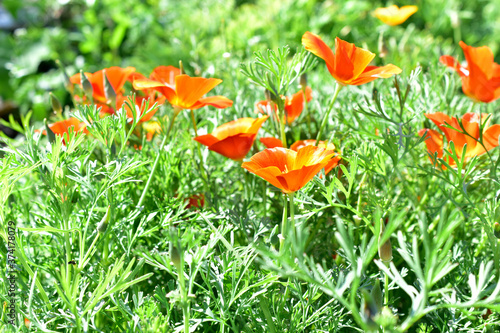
{"x":211,"y":37}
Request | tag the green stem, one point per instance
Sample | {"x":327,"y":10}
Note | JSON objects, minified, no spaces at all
{"x":282,"y":129}
{"x":292,"y":215}
{"x":386,"y":288}
{"x":204,"y":175}
{"x":284,"y":224}
{"x":327,"y":114}
{"x":155,"y":164}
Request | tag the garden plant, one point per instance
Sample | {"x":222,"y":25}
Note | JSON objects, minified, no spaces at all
{"x":249,"y":166}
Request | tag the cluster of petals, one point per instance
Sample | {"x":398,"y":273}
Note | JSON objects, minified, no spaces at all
{"x":181,"y":90}
{"x":271,"y":142}
{"x":481,"y":76}
{"x":393,"y":15}
{"x":287,"y":169}
{"x":470,"y":122}
{"x":233,"y":139}
{"x":294,"y":105}
{"x":349,"y":64}
{"x":63,"y":127}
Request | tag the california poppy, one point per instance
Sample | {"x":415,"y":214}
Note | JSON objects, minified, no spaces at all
{"x":293,"y":105}
{"x":393,"y":15}
{"x":60,"y":128}
{"x":331,"y":164}
{"x":470,"y":122}
{"x":187,"y":93}
{"x":287,"y":169}
{"x":117,"y":77}
{"x":234,"y":139}
{"x":481,"y":76}
{"x":349,"y":64}
{"x":271,"y":142}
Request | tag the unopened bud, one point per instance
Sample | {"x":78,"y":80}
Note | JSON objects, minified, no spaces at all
{"x":175,"y":257}
{"x":50,"y":134}
{"x":181,"y":67}
{"x":86,"y":85}
{"x":377,"y":295}
{"x":496,"y":229}
{"x":384,"y":250}
{"x":369,"y":309}
{"x":103,"y":225}
{"x":109,"y":91}
{"x":303,"y":81}
{"x":56,"y":105}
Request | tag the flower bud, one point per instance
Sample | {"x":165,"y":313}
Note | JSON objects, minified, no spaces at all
{"x":384,"y":250}
{"x":175,"y":257}
{"x":103,"y":225}
{"x":496,"y":229}
{"x":56,"y":105}
{"x":303,"y":81}
{"x":86,"y":85}
{"x":109,"y":91}
{"x":376,"y":294}
{"x":50,"y":134}
{"x":181,"y":67}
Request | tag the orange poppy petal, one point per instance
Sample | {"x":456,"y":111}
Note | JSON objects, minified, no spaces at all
{"x":453,"y":63}
{"x":433,"y":141}
{"x":481,"y":57}
{"x":190,"y":89}
{"x":220,"y":102}
{"x":271,"y":142}
{"x":310,"y":155}
{"x":393,"y":15}
{"x":268,"y":173}
{"x":165,"y":75}
{"x":234,"y":147}
{"x":207,"y":140}
{"x":373,"y":72}
{"x":294,"y":180}
{"x":144,"y":84}
{"x":332,"y":164}
{"x":314,"y":44}
{"x":490,"y":137}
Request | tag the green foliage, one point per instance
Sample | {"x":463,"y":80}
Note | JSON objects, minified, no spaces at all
{"x":98,"y":250}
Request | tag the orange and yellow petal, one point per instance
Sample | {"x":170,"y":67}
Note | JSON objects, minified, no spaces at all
{"x":190,"y":89}
{"x":271,"y":142}
{"x":393,"y":15}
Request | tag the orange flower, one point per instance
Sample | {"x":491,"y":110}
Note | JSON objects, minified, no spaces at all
{"x":63,"y":127}
{"x":293,"y":105}
{"x":481,"y":76}
{"x":333,"y":162}
{"x":349,"y":64}
{"x":393,"y":15}
{"x":117,"y":76}
{"x":470,"y":122}
{"x":287,"y":169}
{"x":233,"y":139}
{"x":271,"y":142}
{"x":188,"y":91}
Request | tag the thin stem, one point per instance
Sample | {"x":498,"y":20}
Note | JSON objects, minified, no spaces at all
{"x":386,"y":288}
{"x":327,"y":114}
{"x":282,"y":129}
{"x":284,"y":224}
{"x":155,"y":164}
{"x":200,"y":156}
{"x":292,"y":215}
